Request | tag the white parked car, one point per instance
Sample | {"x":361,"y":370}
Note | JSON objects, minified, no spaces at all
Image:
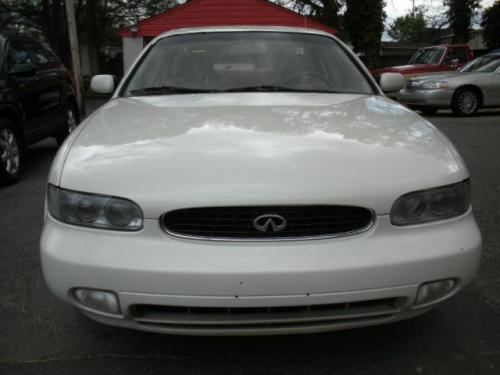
{"x":255,"y":181}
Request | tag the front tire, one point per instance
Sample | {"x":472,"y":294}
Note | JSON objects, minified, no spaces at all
{"x":72,"y":121}
{"x":11,"y":161}
{"x":466,"y":102}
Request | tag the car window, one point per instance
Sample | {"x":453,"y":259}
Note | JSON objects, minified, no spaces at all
{"x":229,"y":61}
{"x":37,"y":52}
{"x":18,"y":53}
{"x":428,"y":56}
{"x":485,"y":64}
{"x":51,"y":55}
{"x":456,"y":54}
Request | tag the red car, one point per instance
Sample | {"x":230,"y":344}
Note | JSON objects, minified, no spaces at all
{"x":430,"y":60}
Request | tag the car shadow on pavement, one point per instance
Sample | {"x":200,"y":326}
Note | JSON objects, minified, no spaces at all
{"x":481,"y":113}
{"x":447,"y":340}
{"x":361,"y":351}
{"x":36,"y":157}
{"x":407,"y":347}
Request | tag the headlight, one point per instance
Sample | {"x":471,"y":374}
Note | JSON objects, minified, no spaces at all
{"x":434,"y":85}
{"x":431,"y":205}
{"x":96,"y":211}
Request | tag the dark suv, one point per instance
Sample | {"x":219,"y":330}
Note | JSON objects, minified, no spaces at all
{"x":37,"y":100}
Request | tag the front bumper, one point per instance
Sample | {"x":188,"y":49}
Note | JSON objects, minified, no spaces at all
{"x":365,"y":279}
{"x":427,"y":98}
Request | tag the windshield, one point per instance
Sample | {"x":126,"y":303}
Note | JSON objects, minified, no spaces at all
{"x":246,"y":61}
{"x":485,"y":64}
{"x":427,"y":56}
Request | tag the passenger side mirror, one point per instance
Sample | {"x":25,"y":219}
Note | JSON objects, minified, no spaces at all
{"x":391,"y":82}
{"x":22,"y":70}
{"x":103,"y":84}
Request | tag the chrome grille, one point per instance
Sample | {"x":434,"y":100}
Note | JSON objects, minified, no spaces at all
{"x":262,"y":317}
{"x":237,"y":223}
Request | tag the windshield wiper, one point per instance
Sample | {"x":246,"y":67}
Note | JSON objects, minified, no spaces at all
{"x":273,"y":88}
{"x":162,"y":90}
{"x":165,"y":90}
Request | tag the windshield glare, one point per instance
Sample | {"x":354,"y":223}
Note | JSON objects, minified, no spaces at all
{"x":427,"y":56}
{"x":485,"y":64}
{"x":232,"y":61}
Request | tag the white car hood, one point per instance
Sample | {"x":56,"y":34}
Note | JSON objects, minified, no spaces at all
{"x":169,"y":152}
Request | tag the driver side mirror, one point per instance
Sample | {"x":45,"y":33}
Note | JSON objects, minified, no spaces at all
{"x":103,"y":84}
{"x":23,"y":70}
{"x":391,"y":82}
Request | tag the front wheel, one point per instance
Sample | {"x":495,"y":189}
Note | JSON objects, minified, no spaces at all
{"x":465,"y":102}
{"x":72,"y":121}
{"x":11,"y":162}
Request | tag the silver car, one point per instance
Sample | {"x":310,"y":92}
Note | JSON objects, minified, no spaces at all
{"x":475,"y":86}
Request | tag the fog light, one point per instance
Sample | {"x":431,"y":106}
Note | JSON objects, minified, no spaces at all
{"x":99,"y":300}
{"x":434,"y":291}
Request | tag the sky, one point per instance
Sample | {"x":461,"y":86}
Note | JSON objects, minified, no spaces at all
{"x":396,"y":8}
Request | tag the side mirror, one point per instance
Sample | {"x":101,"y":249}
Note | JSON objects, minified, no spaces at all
{"x":391,"y":82}
{"x":22,"y":70}
{"x":103,"y":84}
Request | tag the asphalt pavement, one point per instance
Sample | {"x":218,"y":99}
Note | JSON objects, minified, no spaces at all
{"x":41,"y":335}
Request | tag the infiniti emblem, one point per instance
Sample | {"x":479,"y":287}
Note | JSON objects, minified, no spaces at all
{"x":269,"y":222}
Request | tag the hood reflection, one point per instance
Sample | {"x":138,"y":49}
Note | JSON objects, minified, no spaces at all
{"x":214,"y":143}
{"x":369,"y":120}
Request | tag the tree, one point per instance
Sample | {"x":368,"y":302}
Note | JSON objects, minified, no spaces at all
{"x":364,"y":25}
{"x":97,"y":21}
{"x":491,"y":25}
{"x":43,"y":19}
{"x":409,"y":28}
{"x":324,"y":11}
{"x":460,"y":15}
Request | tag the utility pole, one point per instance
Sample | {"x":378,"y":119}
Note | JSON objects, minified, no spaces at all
{"x":413,"y":9}
{"x":75,"y":54}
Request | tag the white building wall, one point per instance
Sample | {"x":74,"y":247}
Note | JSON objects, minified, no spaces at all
{"x":132,"y":47}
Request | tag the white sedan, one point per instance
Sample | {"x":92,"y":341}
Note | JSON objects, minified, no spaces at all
{"x":255,"y":181}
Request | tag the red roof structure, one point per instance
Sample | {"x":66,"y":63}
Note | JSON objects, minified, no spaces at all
{"x":199,"y":13}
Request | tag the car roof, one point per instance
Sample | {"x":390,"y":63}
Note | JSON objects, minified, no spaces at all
{"x":446,"y":45}
{"x":215,"y":29}
{"x":487,"y":55}
{"x":5,"y":35}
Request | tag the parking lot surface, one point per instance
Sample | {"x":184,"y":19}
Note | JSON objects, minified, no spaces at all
{"x":41,"y":335}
